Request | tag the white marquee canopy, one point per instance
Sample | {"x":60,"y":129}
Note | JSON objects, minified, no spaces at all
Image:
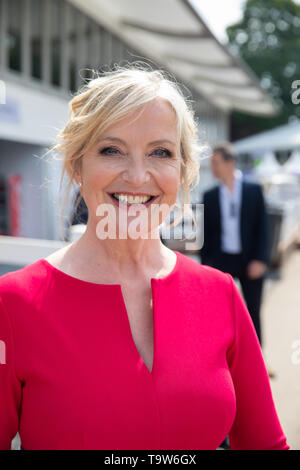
{"x":286,"y":137}
{"x":172,"y":33}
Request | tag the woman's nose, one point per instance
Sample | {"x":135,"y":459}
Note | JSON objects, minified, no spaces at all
{"x":136,"y":172}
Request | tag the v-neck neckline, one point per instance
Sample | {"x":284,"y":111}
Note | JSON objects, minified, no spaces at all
{"x":154,"y":297}
{"x":155,"y":284}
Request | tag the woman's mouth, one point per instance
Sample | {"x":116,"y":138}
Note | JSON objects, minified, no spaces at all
{"x":128,"y":200}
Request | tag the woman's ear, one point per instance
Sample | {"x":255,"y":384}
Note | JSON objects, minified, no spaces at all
{"x":77,"y":170}
{"x":77,"y":177}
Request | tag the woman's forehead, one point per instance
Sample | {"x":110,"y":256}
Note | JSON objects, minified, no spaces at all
{"x":156,"y":118}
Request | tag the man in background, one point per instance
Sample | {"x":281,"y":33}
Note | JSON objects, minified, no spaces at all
{"x":235,"y":229}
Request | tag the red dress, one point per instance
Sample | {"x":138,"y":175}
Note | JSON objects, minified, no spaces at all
{"x":71,"y":376}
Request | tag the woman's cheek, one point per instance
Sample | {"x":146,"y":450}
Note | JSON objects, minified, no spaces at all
{"x":171,"y":178}
{"x":99,"y":177}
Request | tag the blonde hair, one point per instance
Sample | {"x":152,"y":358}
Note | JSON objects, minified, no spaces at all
{"x":109,"y":97}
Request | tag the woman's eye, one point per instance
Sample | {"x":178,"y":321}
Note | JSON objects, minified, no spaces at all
{"x":109,"y":151}
{"x":162,"y":153}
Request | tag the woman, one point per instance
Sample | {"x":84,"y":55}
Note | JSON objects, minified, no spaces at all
{"x":115,"y":341}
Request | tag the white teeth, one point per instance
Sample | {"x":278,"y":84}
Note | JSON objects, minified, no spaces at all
{"x":126,"y":198}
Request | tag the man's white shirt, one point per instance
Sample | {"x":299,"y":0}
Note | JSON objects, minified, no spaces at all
{"x":230,"y":207}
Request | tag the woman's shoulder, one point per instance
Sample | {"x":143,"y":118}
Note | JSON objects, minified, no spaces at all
{"x":56,"y":258}
{"x":205,"y":286}
{"x":33,"y":275}
{"x":190,"y":266}
{"x":25,"y":281}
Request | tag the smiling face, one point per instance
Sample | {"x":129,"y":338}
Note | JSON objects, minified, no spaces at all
{"x":139,"y":155}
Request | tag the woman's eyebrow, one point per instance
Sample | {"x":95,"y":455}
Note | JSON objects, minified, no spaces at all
{"x":112,"y":139}
{"x":154,"y":142}
{"x":162,"y":141}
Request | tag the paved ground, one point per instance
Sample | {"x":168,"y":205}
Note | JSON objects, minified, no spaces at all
{"x":281,"y":330}
{"x":281,"y":348}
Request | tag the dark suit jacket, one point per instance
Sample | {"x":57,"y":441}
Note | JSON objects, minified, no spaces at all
{"x":253,"y":225}
{"x":81,"y":214}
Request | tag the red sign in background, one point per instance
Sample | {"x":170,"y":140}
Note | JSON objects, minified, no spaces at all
{"x":14,"y":202}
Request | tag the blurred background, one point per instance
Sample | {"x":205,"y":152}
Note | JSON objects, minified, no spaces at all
{"x":239,"y":61}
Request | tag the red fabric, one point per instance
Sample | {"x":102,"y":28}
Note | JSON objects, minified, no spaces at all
{"x":73,"y":377}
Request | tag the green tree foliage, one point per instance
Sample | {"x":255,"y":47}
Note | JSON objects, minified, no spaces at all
{"x":268,"y":40}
